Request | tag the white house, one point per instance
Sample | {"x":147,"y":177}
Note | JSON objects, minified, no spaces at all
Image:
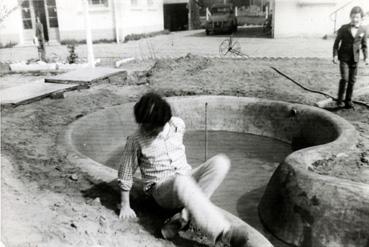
{"x":64,"y":19}
{"x":114,"y":19}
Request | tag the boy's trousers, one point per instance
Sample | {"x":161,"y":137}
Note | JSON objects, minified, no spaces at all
{"x":193,"y":192}
{"x":348,"y":77}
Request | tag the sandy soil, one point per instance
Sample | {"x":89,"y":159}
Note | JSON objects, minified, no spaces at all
{"x":48,"y":202}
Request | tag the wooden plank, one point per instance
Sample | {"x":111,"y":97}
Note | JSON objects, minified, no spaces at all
{"x":84,"y":75}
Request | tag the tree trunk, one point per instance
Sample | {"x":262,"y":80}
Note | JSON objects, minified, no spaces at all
{"x":194,"y":15}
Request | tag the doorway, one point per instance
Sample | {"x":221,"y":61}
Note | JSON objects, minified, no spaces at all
{"x":176,"y":17}
{"x":47,"y":11}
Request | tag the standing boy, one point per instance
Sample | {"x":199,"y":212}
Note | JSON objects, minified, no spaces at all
{"x":346,"y":49}
{"x":41,"y":39}
{"x":157,"y":149}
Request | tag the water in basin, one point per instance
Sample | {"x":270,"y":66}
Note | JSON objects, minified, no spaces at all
{"x":254,"y":159}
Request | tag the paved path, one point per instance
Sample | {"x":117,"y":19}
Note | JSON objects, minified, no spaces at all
{"x":180,"y":43}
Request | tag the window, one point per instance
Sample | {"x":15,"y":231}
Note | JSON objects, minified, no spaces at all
{"x":26,"y":15}
{"x":52,"y":13}
{"x":99,"y":2}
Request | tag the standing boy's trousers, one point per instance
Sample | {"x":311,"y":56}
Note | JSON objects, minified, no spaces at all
{"x":348,"y":77}
{"x":193,"y":192}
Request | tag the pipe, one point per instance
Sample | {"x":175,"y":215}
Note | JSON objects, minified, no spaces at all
{"x":206,"y":131}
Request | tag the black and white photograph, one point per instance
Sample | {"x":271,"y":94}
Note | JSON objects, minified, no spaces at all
{"x":189,"y":123}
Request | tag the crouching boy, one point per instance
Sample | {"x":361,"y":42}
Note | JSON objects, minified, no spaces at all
{"x":157,"y":149}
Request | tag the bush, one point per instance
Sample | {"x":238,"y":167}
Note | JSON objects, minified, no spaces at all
{"x":83,"y":41}
{"x":72,"y":42}
{"x":10,"y":44}
{"x":133,"y":36}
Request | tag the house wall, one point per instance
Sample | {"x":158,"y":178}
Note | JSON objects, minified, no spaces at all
{"x":11,"y":28}
{"x":311,"y":18}
{"x":141,"y":18}
{"x":72,"y":24}
{"x":293,"y":18}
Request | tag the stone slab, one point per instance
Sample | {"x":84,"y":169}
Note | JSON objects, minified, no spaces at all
{"x":23,"y":67}
{"x":84,"y":75}
{"x":31,"y":92}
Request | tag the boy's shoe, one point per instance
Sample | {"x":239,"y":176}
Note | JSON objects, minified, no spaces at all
{"x":236,"y":236}
{"x":349,"y":105}
{"x":173,"y":225}
{"x":340,"y":104}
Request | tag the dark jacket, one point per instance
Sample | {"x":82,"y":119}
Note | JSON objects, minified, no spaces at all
{"x":347,"y":47}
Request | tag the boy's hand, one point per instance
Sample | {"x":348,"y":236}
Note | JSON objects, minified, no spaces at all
{"x":126,"y":212}
{"x":335,"y":60}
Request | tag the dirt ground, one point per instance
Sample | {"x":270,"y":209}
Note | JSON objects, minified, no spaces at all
{"x":46,"y":201}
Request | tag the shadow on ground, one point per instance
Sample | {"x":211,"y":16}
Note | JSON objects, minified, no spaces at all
{"x":150,"y":215}
{"x":243,"y":32}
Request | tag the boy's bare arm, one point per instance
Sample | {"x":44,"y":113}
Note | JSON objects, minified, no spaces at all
{"x":128,"y":166}
{"x":126,"y":212}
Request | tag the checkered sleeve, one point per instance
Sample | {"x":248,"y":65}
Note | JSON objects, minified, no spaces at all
{"x":128,"y":164}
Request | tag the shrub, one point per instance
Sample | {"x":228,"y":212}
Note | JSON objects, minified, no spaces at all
{"x":83,"y":41}
{"x":133,"y":36}
{"x":10,"y":44}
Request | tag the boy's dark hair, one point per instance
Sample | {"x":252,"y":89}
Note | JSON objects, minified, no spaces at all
{"x":152,"y":111}
{"x":357,"y":10}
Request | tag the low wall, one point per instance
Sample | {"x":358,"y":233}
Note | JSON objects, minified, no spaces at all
{"x":298,"y":206}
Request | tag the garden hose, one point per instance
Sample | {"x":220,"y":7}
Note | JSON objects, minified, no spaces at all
{"x":315,"y":91}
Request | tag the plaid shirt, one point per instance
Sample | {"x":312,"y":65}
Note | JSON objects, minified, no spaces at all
{"x":158,"y":157}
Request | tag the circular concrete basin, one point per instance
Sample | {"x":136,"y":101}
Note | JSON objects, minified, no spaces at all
{"x":299,"y":206}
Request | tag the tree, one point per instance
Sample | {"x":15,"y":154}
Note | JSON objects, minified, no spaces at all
{"x":6,"y":9}
{"x":194,"y":14}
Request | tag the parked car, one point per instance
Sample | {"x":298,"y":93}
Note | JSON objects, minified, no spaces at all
{"x":222,"y":19}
